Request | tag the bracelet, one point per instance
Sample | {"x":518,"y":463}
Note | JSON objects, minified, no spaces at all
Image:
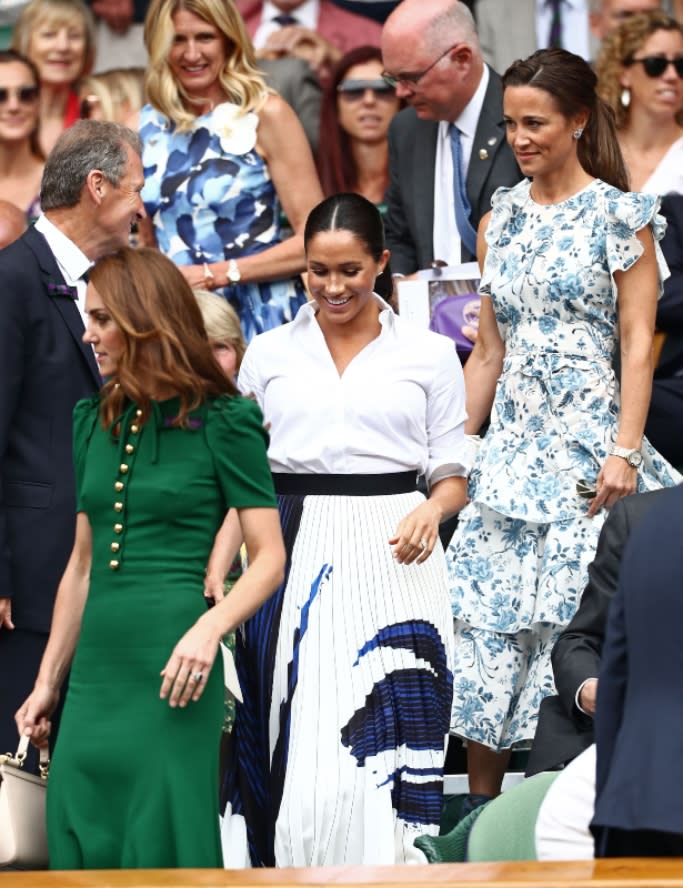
{"x":209,"y":277}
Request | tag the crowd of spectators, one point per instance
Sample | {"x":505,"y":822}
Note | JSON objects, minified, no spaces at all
{"x":296,"y":163}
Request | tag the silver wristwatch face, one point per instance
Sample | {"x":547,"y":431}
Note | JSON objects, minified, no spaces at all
{"x":635,"y":459}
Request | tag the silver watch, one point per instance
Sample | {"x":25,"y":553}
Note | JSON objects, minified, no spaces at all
{"x":633,"y":457}
{"x":233,"y":275}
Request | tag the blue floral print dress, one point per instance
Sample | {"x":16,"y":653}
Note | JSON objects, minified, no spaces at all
{"x":519,"y":558}
{"x":210,"y":197}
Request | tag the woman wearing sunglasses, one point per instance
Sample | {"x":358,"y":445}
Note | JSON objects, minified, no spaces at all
{"x":21,"y":158}
{"x":357,"y":108}
{"x":640,"y":75}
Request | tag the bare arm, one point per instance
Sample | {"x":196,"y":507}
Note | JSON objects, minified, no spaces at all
{"x":225,"y":548}
{"x":485,"y":363}
{"x":284,"y":146}
{"x":196,"y":651}
{"x":637,"y":301}
{"x":33,"y":717}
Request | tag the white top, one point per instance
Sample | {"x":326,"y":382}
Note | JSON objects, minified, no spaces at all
{"x":71,"y":260}
{"x":668,"y":175}
{"x":306,"y":16}
{"x":398,"y":406}
{"x":574,"y":26}
{"x":446,"y":238}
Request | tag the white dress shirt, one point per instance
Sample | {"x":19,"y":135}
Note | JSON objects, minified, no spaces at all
{"x":574,"y":26}
{"x":398,"y":406}
{"x":72,"y":262}
{"x":445,"y":238}
{"x":306,"y":16}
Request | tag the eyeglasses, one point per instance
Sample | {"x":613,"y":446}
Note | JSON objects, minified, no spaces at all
{"x":655,"y":66}
{"x":26,"y":95}
{"x":354,"y":90}
{"x":412,"y":78}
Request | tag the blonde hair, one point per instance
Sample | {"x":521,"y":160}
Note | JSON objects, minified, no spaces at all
{"x":60,"y":12}
{"x":120,"y":91}
{"x":221,"y":322}
{"x":240,"y":78}
{"x":619,"y":48}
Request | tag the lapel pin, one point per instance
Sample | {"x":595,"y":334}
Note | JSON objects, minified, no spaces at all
{"x":483,"y":154}
{"x":492,"y":141}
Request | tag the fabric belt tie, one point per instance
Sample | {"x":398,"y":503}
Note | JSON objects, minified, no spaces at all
{"x":345,"y":485}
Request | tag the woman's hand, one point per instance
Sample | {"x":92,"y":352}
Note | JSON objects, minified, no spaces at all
{"x":187,"y":671}
{"x":33,"y":717}
{"x":417,"y":533}
{"x":197,"y":278}
{"x":615,"y":480}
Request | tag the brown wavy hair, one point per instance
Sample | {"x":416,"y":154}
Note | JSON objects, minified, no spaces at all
{"x":619,"y":48}
{"x":571,"y":82}
{"x":166,"y":345}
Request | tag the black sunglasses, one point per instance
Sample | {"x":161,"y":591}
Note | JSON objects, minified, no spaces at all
{"x":25,"y":94}
{"x":655,"y":66}
{"x":353,"y":90}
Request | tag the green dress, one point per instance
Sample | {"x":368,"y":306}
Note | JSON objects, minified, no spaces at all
{"x":133,"y":782}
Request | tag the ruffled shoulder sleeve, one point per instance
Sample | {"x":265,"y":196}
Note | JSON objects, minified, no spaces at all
{"x":507,"y":218}
{"x":238,"y":442}
{"x":85,"y":417}
{"x":625,"y":215}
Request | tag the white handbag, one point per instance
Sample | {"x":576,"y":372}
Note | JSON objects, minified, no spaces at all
{"x":23,"y":833}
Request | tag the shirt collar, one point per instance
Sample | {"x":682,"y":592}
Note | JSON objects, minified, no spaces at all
{"x":73,"y":263}
{"x":307,"y":313}
{"x":468,"y":120}
{"x":306,"y":14}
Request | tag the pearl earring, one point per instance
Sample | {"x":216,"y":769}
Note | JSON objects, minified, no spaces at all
{"x":578,"y":133}
{"x":625,"y":97}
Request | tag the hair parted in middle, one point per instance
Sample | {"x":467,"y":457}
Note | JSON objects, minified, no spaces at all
{"x":55,"y":12}
{"x":9,"y":57}
{"x":571,"y":82}
{"x":241,"y":80}
{"x":618,"y":49}
{"x":166,"y":344}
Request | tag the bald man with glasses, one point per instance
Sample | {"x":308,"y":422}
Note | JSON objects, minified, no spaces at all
{"x":447,"y":151}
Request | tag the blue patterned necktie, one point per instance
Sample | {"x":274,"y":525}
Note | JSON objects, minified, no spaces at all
{"x":555,"y":33}
{"x":462,"y":205}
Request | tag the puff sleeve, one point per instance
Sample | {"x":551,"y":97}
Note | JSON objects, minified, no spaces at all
{"x":238,"y":443}
{"x":625,"y":215}
{"x":85,"y":416}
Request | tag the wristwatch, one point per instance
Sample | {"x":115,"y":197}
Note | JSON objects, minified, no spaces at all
{"x":633,"y":457}
{"x":233,"y":273}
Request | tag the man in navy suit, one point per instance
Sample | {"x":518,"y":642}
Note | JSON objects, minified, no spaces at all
{"x":90,"y":195}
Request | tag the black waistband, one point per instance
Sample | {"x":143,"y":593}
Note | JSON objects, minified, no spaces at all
{"x":345,"y":485}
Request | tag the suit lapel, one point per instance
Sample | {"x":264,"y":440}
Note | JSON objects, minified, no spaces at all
{"x":489,"y":138}
{"x":65,"y":305}
{"x":426,"y":134}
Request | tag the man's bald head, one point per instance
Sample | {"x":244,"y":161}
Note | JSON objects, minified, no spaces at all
{"x":12,"y":223}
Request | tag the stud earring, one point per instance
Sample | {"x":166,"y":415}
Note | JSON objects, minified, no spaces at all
{"x":578,"y":133}
{"x":625,"y":97}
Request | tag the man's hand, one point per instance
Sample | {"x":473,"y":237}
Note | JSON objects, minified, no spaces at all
{"x":588,"y":695}
{"x":6,"y":613}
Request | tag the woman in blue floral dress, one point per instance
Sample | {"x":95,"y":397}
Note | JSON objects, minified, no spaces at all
{"x":222,"y":156}
{"x":571,"y":274}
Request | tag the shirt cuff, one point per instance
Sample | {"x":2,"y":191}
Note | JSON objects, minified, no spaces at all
{"x":578,"y":694}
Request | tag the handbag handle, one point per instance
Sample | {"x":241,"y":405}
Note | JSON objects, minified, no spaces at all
{"x":19,"y":757}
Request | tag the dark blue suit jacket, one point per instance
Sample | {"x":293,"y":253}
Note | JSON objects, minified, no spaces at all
{"x":639,"y":716}
{"x":45,"y":368}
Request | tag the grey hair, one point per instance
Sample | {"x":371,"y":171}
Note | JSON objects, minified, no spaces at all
{"x":455,"y":23}
{"x":88,"y":145}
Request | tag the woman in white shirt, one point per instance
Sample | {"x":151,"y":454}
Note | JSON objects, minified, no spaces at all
{"x":347,"y":675}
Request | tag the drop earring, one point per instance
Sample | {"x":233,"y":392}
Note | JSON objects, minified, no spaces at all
{"x":578,"y":133}
{"x":625,"y":97}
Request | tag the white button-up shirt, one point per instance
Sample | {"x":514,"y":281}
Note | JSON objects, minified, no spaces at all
{"x":398,"y":406}
{"x":72,"y":262}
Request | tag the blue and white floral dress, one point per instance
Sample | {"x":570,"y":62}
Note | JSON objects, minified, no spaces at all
{"x":210,"y":197}
{"x":519,"y":558}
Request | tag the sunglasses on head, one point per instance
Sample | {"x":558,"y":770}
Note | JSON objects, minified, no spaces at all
{"x":655,"y":66}
{"x":354,"y":90}
{"x":25,"y":94}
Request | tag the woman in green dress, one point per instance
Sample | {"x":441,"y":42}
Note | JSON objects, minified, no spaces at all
{"x":160,"y":456}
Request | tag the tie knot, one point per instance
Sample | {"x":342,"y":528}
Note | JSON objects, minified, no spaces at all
{"x":284,"y":18}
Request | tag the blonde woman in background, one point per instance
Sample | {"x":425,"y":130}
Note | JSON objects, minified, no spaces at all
{"x":224,"y":331}
{"x":112,"y":95}
{"x":640,"y":76}
{"x":222,"y":153}
{"x":58,"y":36}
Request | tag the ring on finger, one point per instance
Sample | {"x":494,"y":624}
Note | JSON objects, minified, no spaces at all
{"x":423,"y":544}
{"x":198,"y":676}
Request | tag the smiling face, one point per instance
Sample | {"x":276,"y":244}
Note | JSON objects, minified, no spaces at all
{"x":341,"y":277}
{"x":539,"y":135}
{"x":120,"y":205}
{"x":19,"y":109}
{"x":197,"y":57}
{"x":103,"y":333}
{"x":57,"y":48}
{"x":366,"y":114}
{"x":663,"y":95}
